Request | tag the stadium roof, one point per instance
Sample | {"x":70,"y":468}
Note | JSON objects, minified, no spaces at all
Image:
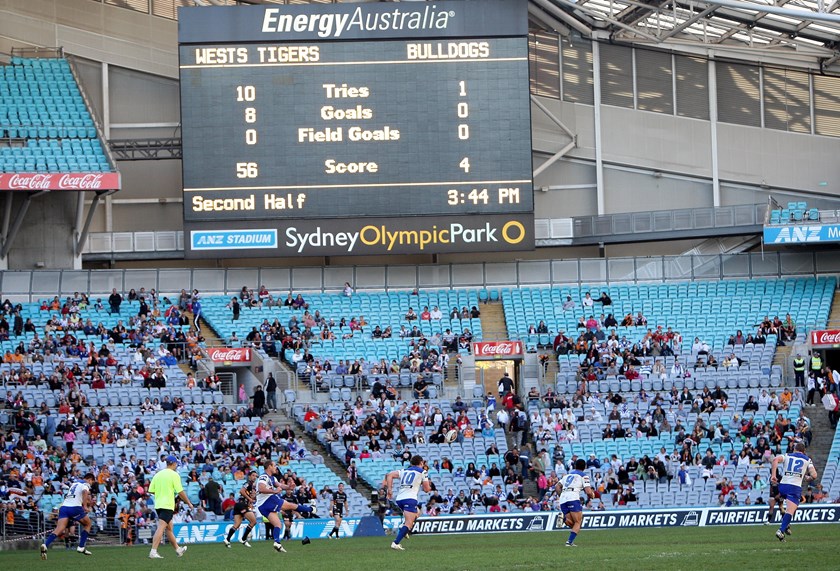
{"x":810,"y":27}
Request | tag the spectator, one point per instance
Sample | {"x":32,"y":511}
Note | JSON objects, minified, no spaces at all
{"x":505,"y":385}
{"x":213,"y":493}
{"x":259,"y":400}
{"x":114,"y":301}
{"x":227,"y":507}
{"x":271,"y":392}
{"x":604,"y":299}
{"x":421,"y":388}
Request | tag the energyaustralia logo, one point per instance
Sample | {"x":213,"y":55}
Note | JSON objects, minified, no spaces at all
{"x":332,"y":25}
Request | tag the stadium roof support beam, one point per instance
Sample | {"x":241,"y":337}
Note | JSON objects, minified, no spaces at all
{"x":9,"y":234}
{"x":778,"y":10}
{"x":81,"y":237}
{"x":145,"y":149}
{"x":553,"y":10}
{"x":566,"y":148}
{"x":739,"y":20}
{"x":612,"y":21}
{"x":689,"y":22}
{"x":547,"y":20}
{"x":599,"y":159}
{"x":637,"y":11}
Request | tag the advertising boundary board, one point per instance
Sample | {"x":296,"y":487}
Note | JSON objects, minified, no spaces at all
{"x":802,"y":234}
{"x":214,"y":532}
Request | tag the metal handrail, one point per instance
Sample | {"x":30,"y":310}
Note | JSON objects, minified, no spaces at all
{"x":34,"y":285}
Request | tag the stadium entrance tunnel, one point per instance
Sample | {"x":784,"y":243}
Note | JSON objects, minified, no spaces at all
{"x":489,"y":374}
{"x":832,"y":359}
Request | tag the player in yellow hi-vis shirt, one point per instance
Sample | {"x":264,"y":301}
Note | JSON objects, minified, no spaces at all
{"x":166,"y":484}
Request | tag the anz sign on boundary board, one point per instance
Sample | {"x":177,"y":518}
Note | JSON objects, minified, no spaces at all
{"x":802,"y":234}
{"x":532,"y":521}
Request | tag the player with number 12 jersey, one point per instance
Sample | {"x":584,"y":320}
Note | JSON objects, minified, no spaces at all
{"x":574,"y":483}
{"x":795,"y":466}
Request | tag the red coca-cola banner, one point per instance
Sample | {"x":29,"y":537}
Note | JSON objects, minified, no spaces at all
{"x":498,"y":350}
{"x":826,"y":338}
{"x":60,"y":181}
{"x":230,"y":355}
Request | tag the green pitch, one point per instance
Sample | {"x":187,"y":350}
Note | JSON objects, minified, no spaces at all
{"x":741,"y":548}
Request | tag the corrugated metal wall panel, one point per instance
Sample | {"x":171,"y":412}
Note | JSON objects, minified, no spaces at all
{"x":787,"y":100}
{"x":738,"y":94}
{"x":544,"y":58}
{"x":654,"y":81}
{"x":692,"y":87}
{"x":616,"y":75}
{"x":577,"y":71}
{"x":827,"y":106}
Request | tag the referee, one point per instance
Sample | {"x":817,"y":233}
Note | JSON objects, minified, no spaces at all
{"x":165,"y":485}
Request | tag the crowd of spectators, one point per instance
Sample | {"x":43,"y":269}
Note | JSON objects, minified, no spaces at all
{"x":217,"y":443}
{"x":85,"y":354}
{"x":302,"y":334}
{"x":75,"y":346}
{"x":78,"y":348}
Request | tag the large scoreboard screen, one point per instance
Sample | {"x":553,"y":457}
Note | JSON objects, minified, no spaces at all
{"x":356,"y":129}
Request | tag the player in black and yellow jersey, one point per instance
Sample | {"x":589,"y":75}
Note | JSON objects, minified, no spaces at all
{"x":337,"y":508}
{"x":244,"y":509}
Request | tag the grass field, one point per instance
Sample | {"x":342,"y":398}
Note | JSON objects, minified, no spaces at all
{"x":742,"y":548}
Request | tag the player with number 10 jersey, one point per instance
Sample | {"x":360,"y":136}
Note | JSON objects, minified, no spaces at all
{"x":411,"y":481}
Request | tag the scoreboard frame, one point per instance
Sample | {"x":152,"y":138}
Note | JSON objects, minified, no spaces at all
{"x":331,"y":196}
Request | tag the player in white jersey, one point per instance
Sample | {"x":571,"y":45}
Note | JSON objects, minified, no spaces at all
{"x":411,"y":481}
{"x":572,"y":485}
{"x":796,"y":467}
{"x":269,"y":502}
{"x":72,"y":509}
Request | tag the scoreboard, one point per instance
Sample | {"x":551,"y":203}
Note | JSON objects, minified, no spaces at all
{"x":356,"y":128}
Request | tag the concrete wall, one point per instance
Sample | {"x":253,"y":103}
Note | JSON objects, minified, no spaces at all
{"x":655,"y":162}
{"x":46,"y":234}
{"x":93,"y":30}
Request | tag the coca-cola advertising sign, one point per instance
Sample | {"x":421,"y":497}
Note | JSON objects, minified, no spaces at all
{"x":230,"y":355}
{"x":498,"y":350}
{"x":60,"y":181}
{"x":826,"y":338}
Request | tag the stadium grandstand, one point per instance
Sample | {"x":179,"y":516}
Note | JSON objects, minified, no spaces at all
{"x":656,"y":293}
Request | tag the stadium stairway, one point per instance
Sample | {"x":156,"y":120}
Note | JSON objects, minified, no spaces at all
{"x":529,"y":486}
{"x":493,"y":320}
{"x":823,"y":437}
{"x":210,"y":337}
{"x":493,"y":326}
{"x":834,"y":314}
{"x":782,"y":358}
{"x":280,"y":418}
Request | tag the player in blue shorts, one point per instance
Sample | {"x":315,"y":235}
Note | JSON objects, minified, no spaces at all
{"x":411,"y":480}
{"x":72,"y":509}
{"x":269,"y":502}
{"x":572,"y":484}
{"x":796,"y":467}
